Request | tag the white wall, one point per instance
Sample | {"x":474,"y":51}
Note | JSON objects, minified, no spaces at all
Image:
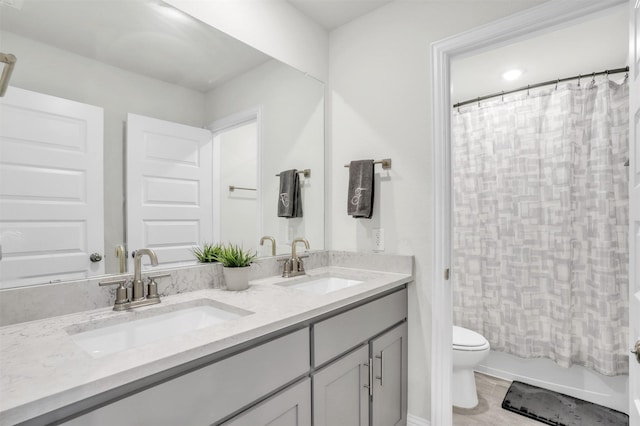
{"x":292,"y":137}
{"x":46,"y":69}
{"x":239,"y":209}
{"x":379,"y":100}
{"x":273,"y":27}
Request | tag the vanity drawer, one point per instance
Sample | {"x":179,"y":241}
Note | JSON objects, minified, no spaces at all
{"x":210,"y":393}
{"x":340,"y":333}
{"x":291,"y":407}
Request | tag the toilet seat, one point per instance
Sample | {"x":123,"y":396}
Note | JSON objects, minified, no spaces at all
{"x":468,"y":340}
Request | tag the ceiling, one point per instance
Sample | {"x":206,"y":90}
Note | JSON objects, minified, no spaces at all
{"x":149,"y":38}
{"x":334,"y":13}
{"x":590,"y":46}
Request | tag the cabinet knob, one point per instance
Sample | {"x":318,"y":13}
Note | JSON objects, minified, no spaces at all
{"x":95,"y":257}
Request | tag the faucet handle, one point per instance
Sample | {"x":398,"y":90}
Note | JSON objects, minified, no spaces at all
{"x":286,"y":268}
{"x":156,"y":276}
{"x":152,"y":289}
{"x":152,"y":286}
{"x":121,"y":291}
{"x":300,"y":264}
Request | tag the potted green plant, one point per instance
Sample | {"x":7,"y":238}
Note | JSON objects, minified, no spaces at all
{"x":207,"y":253}
{"x":236,"y":262}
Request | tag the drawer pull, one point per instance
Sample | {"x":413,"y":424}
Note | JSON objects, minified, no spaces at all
{"x":380,"y":357}
{"x":370,"y":377}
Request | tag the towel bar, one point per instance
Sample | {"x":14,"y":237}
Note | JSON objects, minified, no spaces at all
{"x":10,"y":61}
{"x":305,"y":172}
{"x":386,"y":163}
{"x":233,"y":188}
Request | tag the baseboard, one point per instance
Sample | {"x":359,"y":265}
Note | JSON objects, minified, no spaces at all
{"x":416,"y":421}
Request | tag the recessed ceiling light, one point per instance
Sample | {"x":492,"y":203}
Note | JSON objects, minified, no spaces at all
{"x":512,"y":74}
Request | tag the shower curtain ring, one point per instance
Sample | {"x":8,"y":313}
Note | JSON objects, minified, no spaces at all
{"x":528,"y":86}
{"x":478,"y":101}
{"x":503,"y":96}
{"x":606,"y":73}
{"x":579,"y":76}
{"x":593,"y":78}
{"x":557,"y":81}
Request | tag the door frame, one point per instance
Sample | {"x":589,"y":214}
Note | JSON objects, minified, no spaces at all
{"x":534,"y":21}
{"x":222,"y":125}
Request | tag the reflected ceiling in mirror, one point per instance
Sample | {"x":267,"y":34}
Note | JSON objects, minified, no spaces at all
{"x":145,"y":37}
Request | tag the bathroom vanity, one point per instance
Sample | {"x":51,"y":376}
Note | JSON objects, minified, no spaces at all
{"x":332,"y":343}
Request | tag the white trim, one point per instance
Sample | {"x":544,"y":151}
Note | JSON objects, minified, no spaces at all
{"x":235,"y":120}
{"x":228,"y":123}
{"x":530,"y":22}
{"x":416,"y":421}
{"x":215,"y":200}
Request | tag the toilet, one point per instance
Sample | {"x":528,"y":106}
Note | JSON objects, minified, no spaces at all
{"x":469,"y":349}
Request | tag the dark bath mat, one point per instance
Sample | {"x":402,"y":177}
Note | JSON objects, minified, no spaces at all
{"x":554,"y":408}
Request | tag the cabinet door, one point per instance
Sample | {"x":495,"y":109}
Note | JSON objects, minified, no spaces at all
{"x":339,"y":393}
{"x":291,"y":407}
{"x":389,"y":406}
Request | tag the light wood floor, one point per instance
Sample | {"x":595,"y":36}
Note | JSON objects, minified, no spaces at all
{"x":489,"y":411}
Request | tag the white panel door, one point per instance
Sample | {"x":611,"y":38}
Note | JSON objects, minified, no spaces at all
{"x":169,"y":188}
{"x":634,"y":213}
{"x":51,"y":189}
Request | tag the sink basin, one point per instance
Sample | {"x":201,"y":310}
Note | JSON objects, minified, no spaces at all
{"x":321,"y":284}
{"x":104,"y":338}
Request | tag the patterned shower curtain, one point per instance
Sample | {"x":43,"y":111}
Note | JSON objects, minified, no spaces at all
{"x":541,"y":221}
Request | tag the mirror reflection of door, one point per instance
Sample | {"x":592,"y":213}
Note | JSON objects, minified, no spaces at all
{"x":51,"y":199}
{"x":236,"y":181}
{"x":168,"y":187}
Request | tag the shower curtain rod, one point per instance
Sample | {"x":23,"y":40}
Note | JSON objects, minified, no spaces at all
{"x":545,"y":83}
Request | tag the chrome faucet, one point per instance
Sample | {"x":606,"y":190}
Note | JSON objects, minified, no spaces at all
{"x":138,"y":297}
{"x":137,"y":286}
{"x":294,"y":265}
{"x":273,"y":243}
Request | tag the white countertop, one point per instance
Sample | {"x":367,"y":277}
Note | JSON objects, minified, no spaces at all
{"x":42,"y":369}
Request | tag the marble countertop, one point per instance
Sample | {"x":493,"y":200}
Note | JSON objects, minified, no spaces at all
{"x":42,"y":369}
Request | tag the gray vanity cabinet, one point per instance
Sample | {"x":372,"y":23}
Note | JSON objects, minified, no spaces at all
{"x":347,"y":369}
{"x":345,"y":390}
{"x":368,"y":385}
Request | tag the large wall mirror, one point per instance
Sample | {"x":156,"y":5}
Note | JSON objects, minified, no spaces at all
{"x":159,"y":91}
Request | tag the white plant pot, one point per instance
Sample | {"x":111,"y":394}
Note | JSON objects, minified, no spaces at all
{"x":236,"y":278}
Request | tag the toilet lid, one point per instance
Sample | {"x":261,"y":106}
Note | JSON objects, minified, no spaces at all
{"x":467,"y":338}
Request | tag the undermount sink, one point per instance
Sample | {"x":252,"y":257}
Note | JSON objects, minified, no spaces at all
{"x":321,"y":284}
{"x":105,"y":337}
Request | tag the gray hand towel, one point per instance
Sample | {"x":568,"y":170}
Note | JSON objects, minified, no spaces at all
{"x":360,"y":201}
{"x":289,"y":200}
